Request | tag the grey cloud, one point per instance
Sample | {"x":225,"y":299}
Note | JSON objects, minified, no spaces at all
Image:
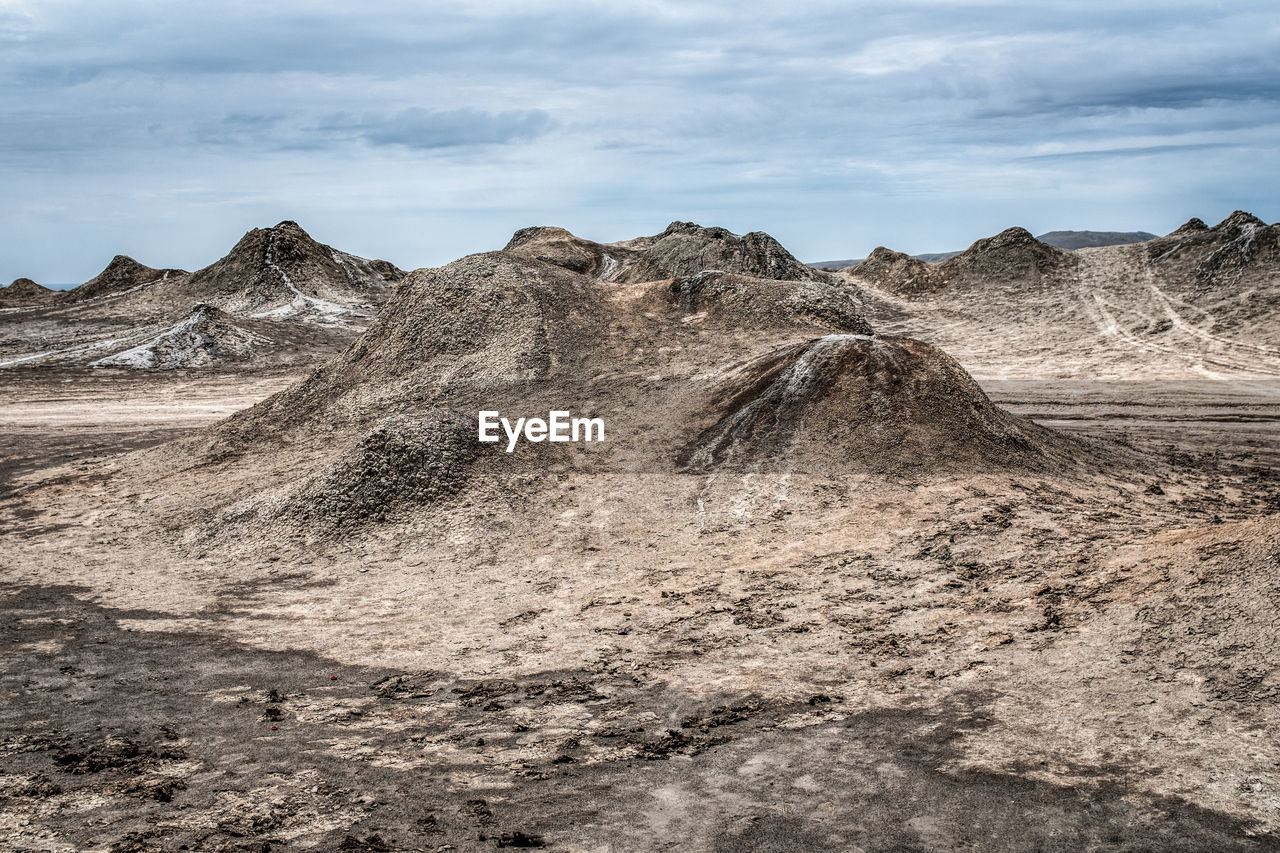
{"x":239,"y":129}
{"x":823,"y":118}
{"x":1177,"y":93}
{"x":425,"y":129}
{"x":1130,"y":151}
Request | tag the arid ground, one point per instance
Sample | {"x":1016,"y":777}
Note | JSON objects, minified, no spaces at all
{"x":1040,"y":619}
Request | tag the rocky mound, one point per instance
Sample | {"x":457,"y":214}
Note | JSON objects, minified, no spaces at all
{"x":745,"y":302}
{"x":484,"y":318}
{"x":1239,"y":247}
{"x":686,"y":248}
{"x":1012,"y":257}
{"x":559,"y":247}
{"x":282,"y":272}
{"x":482,"y":322}
{"x":895,"y":271}
{"x":203,"y":337}
{"x":683,"y":249}
{"x":1191,"y":226}
{"x":864,"y":403}
{"x":122,"y":275}
{"x":405,"y":462}
{"x":23,"y":292}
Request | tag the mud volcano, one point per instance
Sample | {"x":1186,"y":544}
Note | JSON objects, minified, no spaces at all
{"x":24,"y":292}
{"x":1012,"y":257}
{"x":686,"y":248}
{"x":122,"y":275}
{"x":865,"y":403}
{"x":203,"y":337}
{"x":746,"y":302}
{"x":1241,"y":249}
{"x":682,"y":249}
{"x":285,"y":270}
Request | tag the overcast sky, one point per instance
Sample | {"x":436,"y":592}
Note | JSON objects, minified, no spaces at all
{"x":421,"y":131}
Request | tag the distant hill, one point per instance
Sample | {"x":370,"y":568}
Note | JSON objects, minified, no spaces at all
{"x":1092,"y":239}
{"x":279,"y":298}
{"x":1013,"y":255}
{"x":1200,"y":301}
{"x":25,"y":292}
{"x":122,"y":275}
{"x":1061,"y":239}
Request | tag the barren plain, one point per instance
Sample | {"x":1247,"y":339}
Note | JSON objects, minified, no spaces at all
{"x":820,"y":589}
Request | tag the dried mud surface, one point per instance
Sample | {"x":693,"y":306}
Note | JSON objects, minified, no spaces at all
{"x":620,"y":660}
{"x":981,"y":556}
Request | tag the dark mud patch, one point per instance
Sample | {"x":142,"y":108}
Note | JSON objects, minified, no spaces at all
{"x":27,"y":452}
{"x":118,"y":739}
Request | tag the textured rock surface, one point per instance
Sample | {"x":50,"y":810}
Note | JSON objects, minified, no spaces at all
{"x":403,"y":463}
{"x":682,"y":249}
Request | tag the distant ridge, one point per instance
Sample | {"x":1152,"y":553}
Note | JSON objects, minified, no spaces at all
{"x":1060,"y":239}
{"x":1093,"y":239}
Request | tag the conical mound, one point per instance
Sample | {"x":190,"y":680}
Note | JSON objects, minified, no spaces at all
{"x":25,"y":292}
{"x":686,"y":248}
{"x":203,"y":337}
{"x":122,"y":275}
{"x":1012,"y":257}
{"x":483,"y":318}
{"x":895,"y":271}
{"x":1239,"y":249}
{"x":482,"y":322}
{"x":281,"y":272}
{"x":864,"y":403}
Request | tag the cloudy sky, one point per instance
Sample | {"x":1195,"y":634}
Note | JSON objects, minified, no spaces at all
{"x":421,"y":131}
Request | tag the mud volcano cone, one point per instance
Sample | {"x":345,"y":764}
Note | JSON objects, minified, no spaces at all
{"x":24,"y":292}
{"x":865,"y":403}
{"x":122,"y":275}
{"x":203,"y":337}
{"x":283,"y":272}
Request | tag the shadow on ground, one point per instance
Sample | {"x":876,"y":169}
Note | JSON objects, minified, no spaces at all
{"x":123,"y":739}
